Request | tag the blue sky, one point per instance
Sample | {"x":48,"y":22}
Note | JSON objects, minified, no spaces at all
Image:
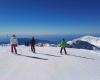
{"x":49,"y":16}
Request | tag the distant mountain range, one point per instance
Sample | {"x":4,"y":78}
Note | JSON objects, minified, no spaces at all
{"x":85,"y":42}
{"x":22,"y":41}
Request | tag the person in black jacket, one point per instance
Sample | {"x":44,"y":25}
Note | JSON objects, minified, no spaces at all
{"x":32,"y":43}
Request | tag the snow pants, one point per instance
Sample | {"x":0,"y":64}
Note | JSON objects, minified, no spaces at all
{"x":13,"y":48}
{"x":33,"y":48}
{"x":64,"y":50}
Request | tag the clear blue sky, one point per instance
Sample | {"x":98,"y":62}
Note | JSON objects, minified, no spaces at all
{"x":50,"y":16}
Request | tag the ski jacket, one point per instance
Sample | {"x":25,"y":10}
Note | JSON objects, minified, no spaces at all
{"x":32,"y":42}
{"x":13,"y":40}
{"x":63,"y":44}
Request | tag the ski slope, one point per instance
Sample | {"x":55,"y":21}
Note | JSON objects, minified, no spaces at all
{"x":48,"y":64}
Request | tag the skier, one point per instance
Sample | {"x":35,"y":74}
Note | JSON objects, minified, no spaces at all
{"x":63,"y":44}
{"x":13,"y":42}
{"x":32,"y":43}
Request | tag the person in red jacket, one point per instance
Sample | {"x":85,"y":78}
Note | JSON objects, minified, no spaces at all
{"x":32,"y":43}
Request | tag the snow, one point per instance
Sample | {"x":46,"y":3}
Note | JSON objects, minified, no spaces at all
{"x":48,"y":64}
{"x":90,"y":39}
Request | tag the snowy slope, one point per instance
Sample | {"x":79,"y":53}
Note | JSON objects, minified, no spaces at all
{"x":90,"y":39}
{"x":48,"y":64}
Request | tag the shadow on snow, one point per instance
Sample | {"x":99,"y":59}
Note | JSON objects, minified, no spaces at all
{"x":32,"y":57}
{"x":49,"y":55}
{"x":81,"y":57}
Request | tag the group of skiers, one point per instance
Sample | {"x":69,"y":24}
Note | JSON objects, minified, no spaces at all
{"x":14,"y":43}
